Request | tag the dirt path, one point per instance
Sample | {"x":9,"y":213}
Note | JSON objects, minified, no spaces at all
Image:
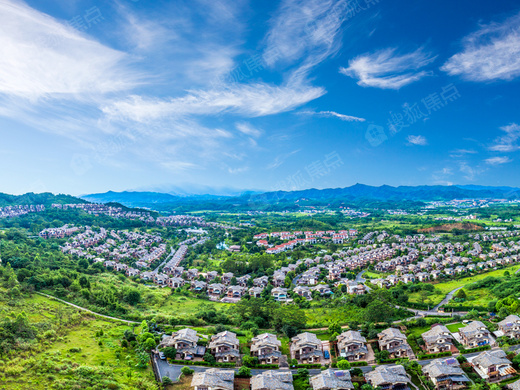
{"x":87,"y":310}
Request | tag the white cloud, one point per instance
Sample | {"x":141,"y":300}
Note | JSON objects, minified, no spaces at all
{"x":333,"y":114}
{"x":498,"y":160}
{"x":491,"y":53}
{"x":387,"y":69}
{"x":417,"y":140}
{"x":303,"y":26}
{"x":41,"y":57}
{"x":507,"y":142}
{"x":248,"y":129}
{"x":248,"y":99}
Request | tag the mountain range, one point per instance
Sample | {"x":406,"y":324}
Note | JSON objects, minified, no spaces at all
{"x":356,"y":194}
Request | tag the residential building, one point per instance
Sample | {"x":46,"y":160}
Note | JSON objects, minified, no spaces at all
{"x":213,"y":379}
{"x":272,"y":380}
{"x":266,"y":347}
{"x":446,"y":374}
{"x":352,"y":346}
{"x":388,"y":378}
{"x":332,"y":380}
{"x":279,"y":293}
{"x":510,"y":326}
{"x":492,"y":365}
{"x":394,"y":341}
{"x":306,"y":348}
{"x":438,"y":339}
{"x":184,"y":341}
{"x":225,"y":347}
{"x":475,"y":335}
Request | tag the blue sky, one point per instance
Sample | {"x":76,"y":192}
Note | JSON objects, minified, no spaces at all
{"x":201,"y":95}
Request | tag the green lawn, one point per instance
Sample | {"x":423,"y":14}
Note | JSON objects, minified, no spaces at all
{"x":455,"y":327}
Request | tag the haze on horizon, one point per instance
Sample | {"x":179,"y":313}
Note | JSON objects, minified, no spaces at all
{"x":239,"y":95}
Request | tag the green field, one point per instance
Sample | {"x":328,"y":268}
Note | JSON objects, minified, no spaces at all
{"x":74,"y":355}
{"x":455,"y":327}
{"x":443,"y":288}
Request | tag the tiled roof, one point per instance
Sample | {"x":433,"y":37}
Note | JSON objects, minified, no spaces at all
{"x":214,"y":378}
{"x":272,"y":380}
{"x":332,"y":380}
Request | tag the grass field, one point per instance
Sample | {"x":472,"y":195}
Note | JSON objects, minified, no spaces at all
{"x":443,"y":288}
{"x":455,"y":327}
{"x":76,"y":356}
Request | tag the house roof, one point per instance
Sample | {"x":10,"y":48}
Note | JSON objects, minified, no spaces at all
{"x":272,"y":380}
{"x":264,"y":339}
{"x":214,"y":378}
{"x":305,"y":338}
{"x":332,"y":380}
{"x":473,"y":328}
{"x":350,"y":336}
{"x":491,"y":358}
{"x":186,"y":334}
{"x":225,"y":337}
{"x":509,"y":321}
{"x":440,"y":368}
{"x":387,"y":375}
{"x":438,"y":331}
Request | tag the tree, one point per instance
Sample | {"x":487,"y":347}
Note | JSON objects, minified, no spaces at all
{"x":461,"y":294}
{"x":344,"y":365}
{"x":149,"y":344}
{"x":303,"y":372}
{"x":133,"y":297}
{"x":334,"y":328}
{"x":187,"y":371}
{"x":249,"y":361}
{"x":244,"y":372}
{"x":208,"y":357}
{"x":378,"y":311}
{"x":170,"y":352}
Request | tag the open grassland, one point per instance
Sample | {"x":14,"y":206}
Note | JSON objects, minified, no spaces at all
{"x":481,"y":297}
{"x":71,"y":351}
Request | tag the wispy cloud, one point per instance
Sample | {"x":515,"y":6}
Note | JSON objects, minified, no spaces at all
{"x":247,"y":129}
{"x":507,"y":142}
{"x":462,"y":152}
{"x":303,"y":27}
{"x":332,"y":114}
{"x":41,"y":57}
{"x":248,"y":99}
{"x":279,"y":160}
{"x":498,"y":160}
{"x":387,"y":69}
{"x":417,"y":140}
{"x":490,"y":53}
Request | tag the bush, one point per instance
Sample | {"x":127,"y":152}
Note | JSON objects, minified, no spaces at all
{"x":187,"y":371}
{"x":244,"y":372}
{"x":476,"y":349}
{"x":433,"y":355}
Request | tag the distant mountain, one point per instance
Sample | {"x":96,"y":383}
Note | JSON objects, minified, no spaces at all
{"x":131,"y":198}
{"x":357,"y":194}
{"x":419,"y":193}
{"x":45,"y":198}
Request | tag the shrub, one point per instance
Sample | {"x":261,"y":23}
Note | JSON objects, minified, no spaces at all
{"x":244,"y":372}
{"x":187,"y":371}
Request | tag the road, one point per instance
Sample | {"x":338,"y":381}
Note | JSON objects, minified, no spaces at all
{"x":447,"y":298}
{"x":172,"y":252}
{"x":87,"y":310}
{"x":173,"y":371}
{"x":360,"y":279}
